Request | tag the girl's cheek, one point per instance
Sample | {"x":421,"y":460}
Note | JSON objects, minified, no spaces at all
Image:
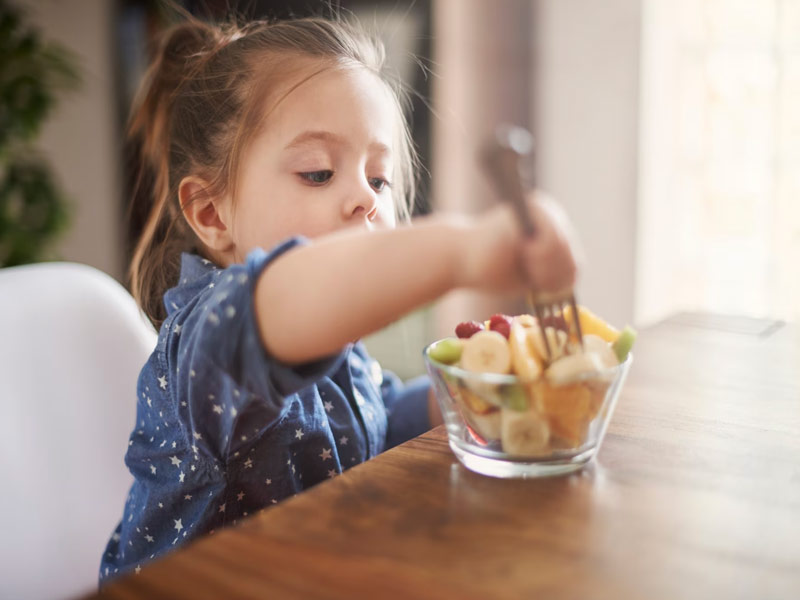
{"x":386,"y":215}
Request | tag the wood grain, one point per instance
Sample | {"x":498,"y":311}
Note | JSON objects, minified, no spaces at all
{"x":695,"y":494}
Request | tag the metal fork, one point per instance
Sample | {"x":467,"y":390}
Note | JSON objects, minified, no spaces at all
{"x":502,"y":160}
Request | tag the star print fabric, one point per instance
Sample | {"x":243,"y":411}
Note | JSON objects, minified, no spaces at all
{"x":224,"y":430}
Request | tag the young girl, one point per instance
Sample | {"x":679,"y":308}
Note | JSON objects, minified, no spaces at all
{"x":279,"y":163}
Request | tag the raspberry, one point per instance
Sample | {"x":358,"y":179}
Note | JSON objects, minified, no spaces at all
{"x":501,"y":324}
{"x":467,"y":329}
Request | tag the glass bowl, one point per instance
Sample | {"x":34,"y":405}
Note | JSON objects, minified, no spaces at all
{"x":503,"y":426}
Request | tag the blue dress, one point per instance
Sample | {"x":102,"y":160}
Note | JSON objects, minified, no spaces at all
{"x":223,"y":430}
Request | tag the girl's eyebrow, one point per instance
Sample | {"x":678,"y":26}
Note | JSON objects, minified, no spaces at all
{"x":308,"y":137}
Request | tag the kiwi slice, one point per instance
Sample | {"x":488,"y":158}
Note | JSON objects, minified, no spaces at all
{"x":514,"y":397}
{"x":623,"y":344}
{"x":447,"y":350}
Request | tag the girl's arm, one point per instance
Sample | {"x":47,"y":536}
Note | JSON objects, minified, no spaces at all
{"x":313,"y":300}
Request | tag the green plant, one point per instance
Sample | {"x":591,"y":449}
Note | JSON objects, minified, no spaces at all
{"x":32,"y":72}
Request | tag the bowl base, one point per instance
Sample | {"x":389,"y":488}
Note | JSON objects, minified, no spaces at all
{"x":520,"y":468}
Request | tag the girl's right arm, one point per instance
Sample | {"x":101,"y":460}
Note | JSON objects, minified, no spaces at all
{"x":312,"y":301}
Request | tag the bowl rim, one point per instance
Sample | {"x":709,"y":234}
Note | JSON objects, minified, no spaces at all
{"x":609,"y":373}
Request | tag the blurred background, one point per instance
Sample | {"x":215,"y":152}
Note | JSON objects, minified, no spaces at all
{"x":669,"y":129}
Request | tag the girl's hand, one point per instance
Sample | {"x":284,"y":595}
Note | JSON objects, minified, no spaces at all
{"x":499,"y":257}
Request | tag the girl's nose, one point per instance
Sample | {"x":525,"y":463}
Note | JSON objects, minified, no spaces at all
{"x":360,"y":203}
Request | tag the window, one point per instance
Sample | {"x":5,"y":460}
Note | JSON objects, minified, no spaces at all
{"x":719,"y":212}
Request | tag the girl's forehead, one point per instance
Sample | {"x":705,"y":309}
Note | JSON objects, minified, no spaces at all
{"x":349,"y":102}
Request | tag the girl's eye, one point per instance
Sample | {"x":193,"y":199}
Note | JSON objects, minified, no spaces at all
{"x":317,"y":177}
{"x":378,"y":183}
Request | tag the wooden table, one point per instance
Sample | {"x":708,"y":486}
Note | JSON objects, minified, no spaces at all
{"x":694,"y":494}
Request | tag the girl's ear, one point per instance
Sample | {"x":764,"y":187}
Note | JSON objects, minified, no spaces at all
{"x":205,"y":214}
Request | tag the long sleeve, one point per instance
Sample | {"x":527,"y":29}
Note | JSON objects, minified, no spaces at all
{"x":215,"y":350}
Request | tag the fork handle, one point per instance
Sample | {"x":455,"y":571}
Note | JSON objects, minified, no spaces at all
{"x":501,"y":159}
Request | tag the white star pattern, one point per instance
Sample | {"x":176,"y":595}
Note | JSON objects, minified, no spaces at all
{"x":181,"y":477}
{"x":192,"y":467}
{"x":153,"y":469}
{"x":149,"y":538}
{"x":213,"y":318}
{"x":160,"y":505}
{"x":198,"y":436}
{"x":150,"y":402}
{"x":218,"y":409}
{"x":192,"y":373}
{"x":175,"y":461}
{"x":298,"y":433}
{"x":187,"y":497}
{"x":234,"y":412}
{"x":178,"y":524}
{"x":239,"y":496}
{"x":162,"y":382}
{"x":343,"y":440}
{"x":328,"y":405}
{"x":332,"y":473}
{"x":326,"y":454}
{"x":222,"y":508}
{"x":248,"y":464}
{"x":268,"y":482}
{"x":177,"y":329}
{"x":230,"y":312}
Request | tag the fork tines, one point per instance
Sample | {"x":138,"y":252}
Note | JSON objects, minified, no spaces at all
{"x":550,"y":313}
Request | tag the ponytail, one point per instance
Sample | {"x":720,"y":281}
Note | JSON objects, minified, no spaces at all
{"x":156,"y":258}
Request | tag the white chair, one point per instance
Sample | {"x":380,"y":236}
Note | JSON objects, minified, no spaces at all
{"x":72,"y":343}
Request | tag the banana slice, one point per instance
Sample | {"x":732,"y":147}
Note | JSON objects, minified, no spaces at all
{"x":556,"y":338}
{"x":486,"y":352}
{"x":572,"y":366}
{"x":524,"y":358}
{"x":526,"y":320}
{"x":597,"y":345}
{"x":487,"y":426}
{"x":524,"y":433}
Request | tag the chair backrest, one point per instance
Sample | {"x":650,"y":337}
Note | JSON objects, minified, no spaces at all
{"x":72,"y":343}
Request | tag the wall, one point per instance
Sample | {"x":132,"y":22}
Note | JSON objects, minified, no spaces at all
{"x":585,"y":114}
{"x":80,"y":137}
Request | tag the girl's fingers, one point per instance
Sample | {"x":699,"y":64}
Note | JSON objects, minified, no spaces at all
{"x":549,"y":257}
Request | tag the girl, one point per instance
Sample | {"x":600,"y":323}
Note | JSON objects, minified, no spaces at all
{"x":279,"y":163}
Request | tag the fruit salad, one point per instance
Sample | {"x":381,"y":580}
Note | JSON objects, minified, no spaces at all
{"x":516,"y":397}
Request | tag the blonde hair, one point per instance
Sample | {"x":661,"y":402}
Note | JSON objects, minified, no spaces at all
{"x":199,"y":106}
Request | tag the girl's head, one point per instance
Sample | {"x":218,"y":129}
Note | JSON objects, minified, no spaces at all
{"x":252,"y":134}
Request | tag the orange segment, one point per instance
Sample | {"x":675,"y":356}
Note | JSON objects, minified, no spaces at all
{"x":597,"y":391}
{"x":568,"y":409}
{"x":591,"y":323}
{"x":475,"y":403}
